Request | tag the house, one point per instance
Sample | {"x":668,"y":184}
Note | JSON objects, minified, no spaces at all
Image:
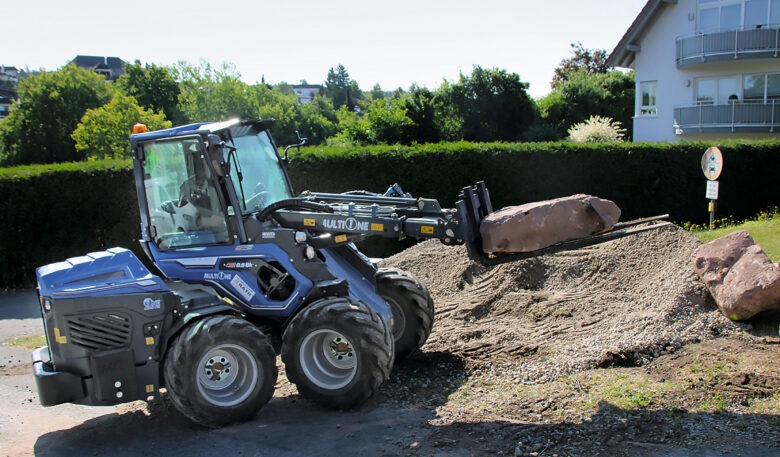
{"x":306,"y":92}
{"x":6,"y":100}
{"x":705,"y":69}
{"x":111,"y":67}
{"x":9,"y":77}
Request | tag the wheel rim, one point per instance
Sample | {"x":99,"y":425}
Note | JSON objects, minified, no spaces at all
{"x":227,"y":375}
{"x":328,"y":359}
{"x":399,"y":318}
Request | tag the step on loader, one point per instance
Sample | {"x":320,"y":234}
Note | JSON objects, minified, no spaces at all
{"x":246,"y":271}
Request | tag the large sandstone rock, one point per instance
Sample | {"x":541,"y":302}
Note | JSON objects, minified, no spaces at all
{"x":538,"y":225}
{"x":739,"y":275}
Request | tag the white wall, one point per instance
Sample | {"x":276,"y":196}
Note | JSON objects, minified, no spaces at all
{"x":655,"y":62}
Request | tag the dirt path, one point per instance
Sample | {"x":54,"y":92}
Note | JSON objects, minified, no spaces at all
{"x":611,"y":350}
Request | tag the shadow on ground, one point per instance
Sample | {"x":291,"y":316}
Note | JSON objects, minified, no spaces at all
{"x":403,"y":420}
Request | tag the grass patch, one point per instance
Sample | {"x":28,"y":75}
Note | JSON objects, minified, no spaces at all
{"x":765,"y":230}
{"x":27,"y":342}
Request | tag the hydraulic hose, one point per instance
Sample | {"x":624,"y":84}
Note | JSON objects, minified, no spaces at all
{"x":292,"y":203}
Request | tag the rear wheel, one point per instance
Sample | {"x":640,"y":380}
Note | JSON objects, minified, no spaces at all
{"x":338,"y":352}
{"x":412,"y":308}
{"x":220,"y":370}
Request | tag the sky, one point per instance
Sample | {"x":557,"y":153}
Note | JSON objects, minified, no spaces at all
{"x":393,"y":44}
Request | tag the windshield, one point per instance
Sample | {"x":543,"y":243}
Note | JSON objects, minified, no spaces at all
{"x":263,"y":181}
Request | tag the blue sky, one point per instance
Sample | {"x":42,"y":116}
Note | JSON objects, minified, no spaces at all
{"x":393,"y":43}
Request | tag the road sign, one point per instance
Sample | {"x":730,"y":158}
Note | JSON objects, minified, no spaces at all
{"x":712,"y":163}
{"x":712,"y":190}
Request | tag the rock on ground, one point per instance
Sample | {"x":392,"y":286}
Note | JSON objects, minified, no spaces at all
{"x":740,"y":276}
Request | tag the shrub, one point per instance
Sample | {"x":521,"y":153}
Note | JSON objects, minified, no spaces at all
{"x":596,"y":129}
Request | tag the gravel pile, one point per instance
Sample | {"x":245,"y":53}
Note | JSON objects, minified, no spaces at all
{"x":622,"y":303}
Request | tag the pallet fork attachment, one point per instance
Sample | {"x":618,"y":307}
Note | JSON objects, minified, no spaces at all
{"x":475,"y":205}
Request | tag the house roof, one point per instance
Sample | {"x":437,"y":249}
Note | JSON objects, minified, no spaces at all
{"x":113,"y":63}
{"x":623,"y":54}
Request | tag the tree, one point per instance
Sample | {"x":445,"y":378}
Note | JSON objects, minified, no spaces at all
{"x":154,"y":87}
{"x":490,"y":105}
{"x":590,"y":94}
{"x":589,"y":60}
{"x":104,"y":132}
{"x":51,"y":104}
{"x":215,"y":94}
{"x":317,"y":120}
{"x":421,"y":108}
{"x":376,"y":92}
{"x":338,"y":87}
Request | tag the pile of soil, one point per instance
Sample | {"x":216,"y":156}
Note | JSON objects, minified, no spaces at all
{"x":622,"y":303}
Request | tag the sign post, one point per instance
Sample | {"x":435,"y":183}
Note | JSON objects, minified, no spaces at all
{"x":712,"y":165}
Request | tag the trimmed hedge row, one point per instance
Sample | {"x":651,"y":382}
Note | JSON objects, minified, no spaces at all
{"x":53,"y":212}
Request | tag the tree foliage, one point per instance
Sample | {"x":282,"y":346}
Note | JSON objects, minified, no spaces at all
{"x":489,"y":105}
{"x":103,"y":132}
{"x":587,"y":60}
{"x":51,"y":104}
{"x":590,"y":94}
{"x":340,"y":89}
{"x":154,"y":88}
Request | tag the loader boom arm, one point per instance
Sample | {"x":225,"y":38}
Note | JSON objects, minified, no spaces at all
{"x":339,"y":218}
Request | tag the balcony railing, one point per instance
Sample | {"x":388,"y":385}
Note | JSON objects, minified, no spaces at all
{"x":733,"y":117}
{"x":753,"y":43}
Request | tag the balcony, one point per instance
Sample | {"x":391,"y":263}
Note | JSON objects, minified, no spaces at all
{"x":757,"y":117}
{"x":753,"y":43}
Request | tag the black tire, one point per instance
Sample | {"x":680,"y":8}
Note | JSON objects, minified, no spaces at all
{"x":412,"y":307}
{"x":338,"y":352}
{"x":198,"y":373}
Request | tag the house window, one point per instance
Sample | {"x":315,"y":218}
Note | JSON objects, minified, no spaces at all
{"x":761,"y":88}
{"x":722,"y":15}
{"x":718,"y":91}
{"x":647,"y":89}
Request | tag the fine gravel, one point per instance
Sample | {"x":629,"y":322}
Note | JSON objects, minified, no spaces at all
{"x":621,"y":303}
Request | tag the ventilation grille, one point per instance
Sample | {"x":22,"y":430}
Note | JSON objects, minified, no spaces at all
{"x":98,"y":332}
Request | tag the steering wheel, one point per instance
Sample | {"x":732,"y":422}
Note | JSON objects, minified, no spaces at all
{"x":257,"y":201}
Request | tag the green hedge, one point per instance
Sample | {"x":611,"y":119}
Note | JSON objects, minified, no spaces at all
{"x":51,"y":212}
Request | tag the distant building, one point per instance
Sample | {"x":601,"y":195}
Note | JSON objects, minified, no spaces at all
{"x":306,"y":92}
{"x":110,"y":67}
{"x":6,"y":100}
{"x":705,"y":69}
{"x":9,"y":75}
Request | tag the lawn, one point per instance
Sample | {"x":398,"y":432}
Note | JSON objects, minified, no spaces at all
{"x":765,"y":230}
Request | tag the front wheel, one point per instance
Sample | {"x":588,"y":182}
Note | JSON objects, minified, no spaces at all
{"x":338,"y":352}
{"x":220,"y":370}
{"x":412,"y":308}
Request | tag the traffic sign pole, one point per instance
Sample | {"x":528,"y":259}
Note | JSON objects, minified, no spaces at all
{"x":712,"y":165}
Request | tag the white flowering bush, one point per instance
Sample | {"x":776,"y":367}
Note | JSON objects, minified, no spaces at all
{"x":597,"y":129}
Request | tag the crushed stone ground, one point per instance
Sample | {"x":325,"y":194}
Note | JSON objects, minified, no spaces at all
{"x":622,"y":303}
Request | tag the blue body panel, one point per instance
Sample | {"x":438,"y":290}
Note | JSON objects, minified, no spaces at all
{"x":360,"y":288}
{"x":203,"y":265}
{"x":110,"y":272}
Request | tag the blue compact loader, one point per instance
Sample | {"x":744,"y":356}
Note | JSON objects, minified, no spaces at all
{"x":246,"y":271}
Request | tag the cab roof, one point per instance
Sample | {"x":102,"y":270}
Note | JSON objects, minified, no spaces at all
{"x":199,"y":128}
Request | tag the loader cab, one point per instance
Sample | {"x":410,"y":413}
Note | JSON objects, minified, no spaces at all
{"x":197,"y":183}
